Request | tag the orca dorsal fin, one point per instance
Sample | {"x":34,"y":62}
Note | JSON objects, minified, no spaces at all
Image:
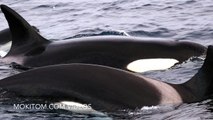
{"x":23,"y":34}
{"x":201,"y":84}
{"x":207,"y":71}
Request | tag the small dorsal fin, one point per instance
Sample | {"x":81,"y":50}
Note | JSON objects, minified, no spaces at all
{"x":23,"y":34}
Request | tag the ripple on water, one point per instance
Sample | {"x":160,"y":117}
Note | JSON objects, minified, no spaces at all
{"x":65,"y":19}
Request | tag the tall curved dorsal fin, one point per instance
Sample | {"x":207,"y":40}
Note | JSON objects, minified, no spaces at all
{"x":24,"y":36}
{"x":202,"y":82}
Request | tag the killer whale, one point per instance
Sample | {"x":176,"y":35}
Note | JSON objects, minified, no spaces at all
{"x":32,"y":50}
{"x":109,"y":88}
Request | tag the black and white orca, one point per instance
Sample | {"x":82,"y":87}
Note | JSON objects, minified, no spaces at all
{"x":109,"y":88}
{"x":30,"y":49}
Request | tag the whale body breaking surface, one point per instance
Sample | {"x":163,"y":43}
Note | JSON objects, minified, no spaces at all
{"x":91,"y":70}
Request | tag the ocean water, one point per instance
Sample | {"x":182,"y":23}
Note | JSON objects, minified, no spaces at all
{"x":166,"y":19}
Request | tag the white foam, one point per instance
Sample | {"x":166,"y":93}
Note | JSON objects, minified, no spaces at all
{"x":144,"y":65}
{"x":124,"y":32}
{"x":149,"y":107}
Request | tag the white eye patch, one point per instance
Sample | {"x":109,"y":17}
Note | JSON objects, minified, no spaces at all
{"x":77,"y":108}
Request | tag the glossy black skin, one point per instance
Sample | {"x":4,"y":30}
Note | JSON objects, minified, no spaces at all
{"x":32,"y":50}
{"x":104,"y":87}
{"x":109,"y":88}
{"x":5,"y":36}
{"x":111,"y":51}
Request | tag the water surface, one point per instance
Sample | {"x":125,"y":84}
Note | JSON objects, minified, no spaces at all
{"x":169,"y":20}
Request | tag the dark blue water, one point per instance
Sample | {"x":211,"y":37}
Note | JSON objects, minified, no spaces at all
{"x":166,"y":19}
